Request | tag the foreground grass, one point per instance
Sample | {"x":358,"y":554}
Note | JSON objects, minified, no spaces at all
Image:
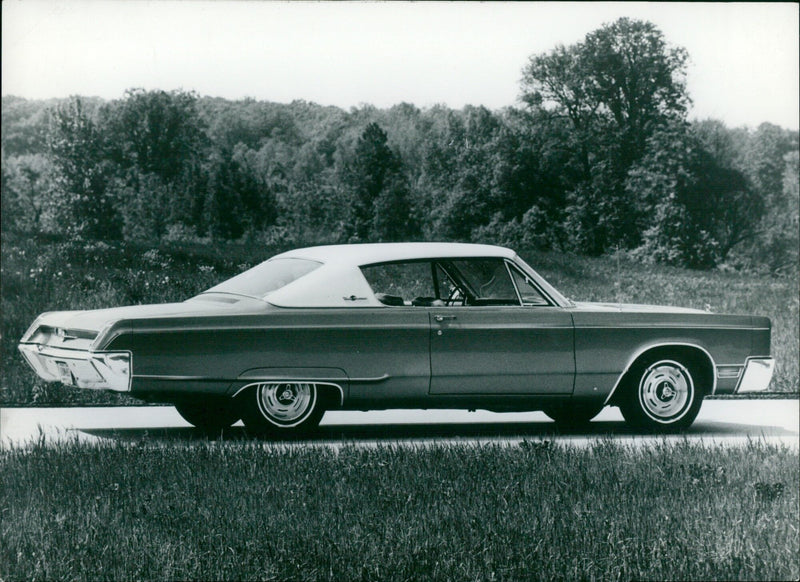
{"x":243,"y":511}
{"x":40,"y":275}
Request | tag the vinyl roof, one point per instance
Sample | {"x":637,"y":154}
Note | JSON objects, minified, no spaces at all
{"x":366,"y":254}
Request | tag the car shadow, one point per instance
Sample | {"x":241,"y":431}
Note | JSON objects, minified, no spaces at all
{"x":392,"y":433}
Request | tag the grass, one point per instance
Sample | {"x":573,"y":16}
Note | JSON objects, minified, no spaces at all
{"x":40,"y":274}
{"x":248,"y":510}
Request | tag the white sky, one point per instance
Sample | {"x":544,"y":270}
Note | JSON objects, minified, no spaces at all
{"x":744,"y":56}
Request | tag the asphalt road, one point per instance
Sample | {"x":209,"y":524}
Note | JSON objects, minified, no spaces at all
{"x":730,"y":422}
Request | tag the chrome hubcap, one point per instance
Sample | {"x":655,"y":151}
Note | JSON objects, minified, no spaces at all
{"x":286,"y":404}
{"x":665,"y":391}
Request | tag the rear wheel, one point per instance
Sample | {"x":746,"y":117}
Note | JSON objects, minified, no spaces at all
{"x":572,"y":415}
{"x":282,"y":407}
{"x":662,"y":396}
{"x":208,"y":415}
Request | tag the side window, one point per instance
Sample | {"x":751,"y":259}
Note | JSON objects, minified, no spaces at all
{"x":487,"y":282}
{"x":401,"y":283}
{"x":528,"y":292}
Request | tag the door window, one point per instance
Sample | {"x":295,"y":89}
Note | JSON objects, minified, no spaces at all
{"x":486,"y":281}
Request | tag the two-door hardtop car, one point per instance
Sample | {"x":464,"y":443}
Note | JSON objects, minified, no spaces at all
{"x":402,"y":325}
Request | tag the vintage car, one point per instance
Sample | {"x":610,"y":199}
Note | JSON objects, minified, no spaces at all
{"x":402,"y":325}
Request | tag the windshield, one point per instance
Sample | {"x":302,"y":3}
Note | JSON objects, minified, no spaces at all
{"x":267,"y":277}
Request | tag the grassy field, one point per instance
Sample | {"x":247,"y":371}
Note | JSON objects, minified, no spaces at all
{"x":40,"y":275}
{"x":245,"y":511}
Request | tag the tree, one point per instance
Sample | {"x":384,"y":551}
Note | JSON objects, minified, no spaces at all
{"x":693,"y":209}
{"x":158,"y":135}
{"x":777,"y":247}
{"x":24,"y":126}
{"x":764,"y":159}
{"x":393,"y":215}
{"x":76,"y":148}
{"x":223,"y":209}
{"x":157,"y":132}
{"x":617,"y":88}
{"x":623,"y":77}
{"x":372,"y":165}
{"x":764,"y":156}
{"x":27,"y":192}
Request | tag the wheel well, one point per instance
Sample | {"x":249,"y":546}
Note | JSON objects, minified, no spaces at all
{"x":331,"y":395}
{"x":695,"y":359}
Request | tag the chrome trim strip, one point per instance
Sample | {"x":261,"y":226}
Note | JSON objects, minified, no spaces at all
{"x":514,"y":283}
{"x":670,"y":326}
{"x":729,"y":371}
{"x":259,"y":379}
{"x":654,"y":346}
{"x":371,"y":380}
{"x":183,"y":378}
{"x":293,"y":381}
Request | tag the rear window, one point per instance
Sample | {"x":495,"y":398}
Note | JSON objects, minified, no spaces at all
{"x":267,"y":277}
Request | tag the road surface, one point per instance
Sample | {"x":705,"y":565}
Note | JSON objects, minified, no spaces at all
{"x":720,"y":421}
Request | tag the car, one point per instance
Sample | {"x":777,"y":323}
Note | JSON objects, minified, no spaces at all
{"x":402,"y":325}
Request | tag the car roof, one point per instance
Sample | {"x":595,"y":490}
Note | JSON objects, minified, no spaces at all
{"x":339,"y":282}
{"x":367,"y":254}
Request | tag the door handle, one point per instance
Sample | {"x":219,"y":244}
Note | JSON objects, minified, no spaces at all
{"x":441,"y":318}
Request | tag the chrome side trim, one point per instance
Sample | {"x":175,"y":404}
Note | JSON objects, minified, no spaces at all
{"x":729,"y":371}
{"x":672,"y":326}
{"x":293,"y":381}
{"x":642,"y":351}
{"x":371,"y":380}
{"x":183,"y":378}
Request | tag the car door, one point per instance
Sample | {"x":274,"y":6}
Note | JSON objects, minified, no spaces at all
{"x":504,"y":337}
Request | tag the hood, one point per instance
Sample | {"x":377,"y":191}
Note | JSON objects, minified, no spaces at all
{"x":632,"y":308}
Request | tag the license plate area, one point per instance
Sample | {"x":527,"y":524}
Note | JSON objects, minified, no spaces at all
{"x":64,"y":373}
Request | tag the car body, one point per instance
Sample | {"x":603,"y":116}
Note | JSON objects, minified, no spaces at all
{"x":402,"y":325}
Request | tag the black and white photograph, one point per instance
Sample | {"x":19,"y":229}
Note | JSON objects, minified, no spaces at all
{"x":373,"y":290}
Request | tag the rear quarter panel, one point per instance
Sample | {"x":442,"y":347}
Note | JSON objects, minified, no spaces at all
{"x":377,"y":351}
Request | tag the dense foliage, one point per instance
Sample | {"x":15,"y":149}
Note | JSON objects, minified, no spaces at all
{"x":599,"y":157}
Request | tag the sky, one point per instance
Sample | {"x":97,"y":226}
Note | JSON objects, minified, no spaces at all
{"x":744,"y":56}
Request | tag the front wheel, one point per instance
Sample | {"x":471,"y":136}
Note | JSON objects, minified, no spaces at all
{"x":282,"y":407}
{"x":665,"y":397}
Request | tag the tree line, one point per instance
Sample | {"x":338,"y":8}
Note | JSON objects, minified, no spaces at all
{"x":599,"y":157}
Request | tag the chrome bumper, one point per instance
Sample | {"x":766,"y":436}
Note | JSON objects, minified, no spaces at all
{"x":80,"y":368}
{"x":756,"y":376}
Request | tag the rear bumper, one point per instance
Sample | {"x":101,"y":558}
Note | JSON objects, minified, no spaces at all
{"x":756,"y":376}
{"x":80,"y":368}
